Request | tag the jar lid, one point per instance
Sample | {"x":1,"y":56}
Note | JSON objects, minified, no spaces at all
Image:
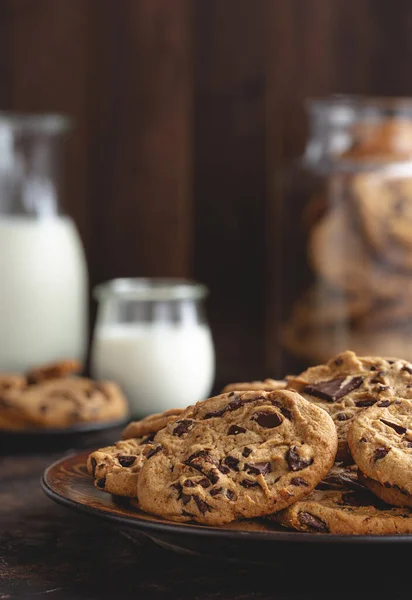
{"x":151,"y":289}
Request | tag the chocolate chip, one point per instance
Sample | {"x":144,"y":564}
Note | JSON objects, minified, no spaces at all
{"x":356,"y":499}
{"x":383,"y":388}
{"x":101,"y":482}
{"x":182,"y":427}
{"x":148,"y":438}
{"x":363,"y":440}
{"x":189,"y":483}
{"x":185,"y":498}
{"x":342,"y":417}
{"x":246,"y":451}
{"x":232,"y":463}
{"x":223,"y":469}
{"x":43,"y":408}
{"x":295,"y":462}
{"x":237,"y":402}
{"x":235,"y":429}
{"x":285,"y":411}
{"x":298,"y":481}
{"x":249,"y":483}
{"x":380,"y":453}
{"x":94,"y":465}
{"x":407,"y":368}
{"x":365,"y":403}
{"x":204,"y":482}
{"x":261,"y":468}
{"x":126,"y":460}
{"x":215,"y":491}
{"x":154,"y":451}
{"x":383,"y":403}
{"x":266,"y":419}
{"x":200,"y":454}
{"x":333,"y":389}
{"x":313,"y":523}
{"x":201,"y":504}
{"x":372,"y":368}
{"x":338,"y":362}
{"x":187,"y":514}
{"x":230,"y":494}
{"x":409,"y":444}
{"x":213,"y":476}
{"x":177,"y":486}
{"x":398,"y":428}
{"x":216,"y":413}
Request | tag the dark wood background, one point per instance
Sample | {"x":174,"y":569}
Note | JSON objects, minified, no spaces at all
{"x":185,"y":113}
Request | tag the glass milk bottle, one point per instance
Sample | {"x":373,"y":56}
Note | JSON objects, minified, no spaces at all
{"x":152,"y":337}
{"x":43,"y":272}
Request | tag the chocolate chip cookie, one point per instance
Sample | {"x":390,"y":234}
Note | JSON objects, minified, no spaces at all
{"x":115,"y":468}
{"x":380,"y":440}
{"x":266,"y":385}
{"x":55,"y":370}
{"x":237,"y":455}
{"x":389,"y":493}
{"x":150,"y":424}
{"x":63,"y":402}
{"x":347,"y":384}
{"x":356,"y":512}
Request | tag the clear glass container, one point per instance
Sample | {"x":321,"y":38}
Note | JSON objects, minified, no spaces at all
{"x":43,"y":302}
{"x":152,"y":337}
{"x":346,"y":235}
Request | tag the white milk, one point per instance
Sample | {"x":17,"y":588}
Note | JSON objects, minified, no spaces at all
{"x":158,"y":366}
{"x":43,"y":283}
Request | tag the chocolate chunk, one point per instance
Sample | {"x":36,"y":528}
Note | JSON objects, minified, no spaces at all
{"x":213,"y":476}
{"x":342,"y":417}
{"x":232,"y":463}
{"x":200,"y":454}
{"x":372,"y":368}
{"x":384,"y":403}
{"x":365,"y":403}
{"x":246,"y":451}
{"x":148,"y":438}
{"x":407,"y":368}
{"x":363,"y":440}
{"x":298,"y":481}
{"x":398,"y":428}
{"x":94,"y":465}
{"x":295,"y":462}
{"x":266,"y":419}
{"x":185,"y":498}
{"x":380,"y":453}
{"x":101,"y":483}
{"x":313,"y":523}
{"x":187,"y":514}
{"x":409,"y":444}
{"x":339,"y":362}
{"x":249,"y":483}
{"x":235,"y":429}
{"x":223,"y":469}
{"x":154,"y":451}
{"x":261,"y":468}
{"x":43,"y":408}
{"x":189,"y":483}
{"x":236,"y":403}
{"x":230,"y":494}
{"x":204,"y":482}
{"x":178,"y":487}
{"x":383,"y":388}
{"x":333,"y":389}
{"x":357,"y":499}
{"x":215,"y":491}
{"x":201,"y":504}
{"x":126,"y":460}
{"x":216,"y":413}
{"x":182,"y":427}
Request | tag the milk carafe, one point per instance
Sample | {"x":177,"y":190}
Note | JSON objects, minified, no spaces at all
{"x":43,"y":275}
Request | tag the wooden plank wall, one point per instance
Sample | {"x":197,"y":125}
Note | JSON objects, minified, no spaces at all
{"x":186,"y":112}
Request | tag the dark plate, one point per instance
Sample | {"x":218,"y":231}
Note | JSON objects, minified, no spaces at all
{"x":256,"y":541}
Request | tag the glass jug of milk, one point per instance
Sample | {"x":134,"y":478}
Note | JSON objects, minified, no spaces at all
{"x":152,"y":337}
{"x":43,"y":276}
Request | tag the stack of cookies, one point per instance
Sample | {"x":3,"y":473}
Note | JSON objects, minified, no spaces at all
{"x":359,"y":249}
{"x":50,"y":397}
{"x":328,"y":450}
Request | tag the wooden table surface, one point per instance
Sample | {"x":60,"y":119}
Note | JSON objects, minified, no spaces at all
{"x":49,"y":551}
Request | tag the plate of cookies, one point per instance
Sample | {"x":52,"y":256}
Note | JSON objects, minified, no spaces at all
{"x":53,"y":400}
{"x":323,"y":456}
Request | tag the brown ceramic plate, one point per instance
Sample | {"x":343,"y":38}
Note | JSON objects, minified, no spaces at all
{"x":67,"y":482}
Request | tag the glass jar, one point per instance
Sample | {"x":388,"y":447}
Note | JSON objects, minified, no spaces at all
{"x":152,"y":337}
{"x":43,"y":300}
{"x":347,"y":235}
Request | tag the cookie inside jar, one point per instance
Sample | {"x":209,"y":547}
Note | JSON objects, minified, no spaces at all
{"x":346,"y":235}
